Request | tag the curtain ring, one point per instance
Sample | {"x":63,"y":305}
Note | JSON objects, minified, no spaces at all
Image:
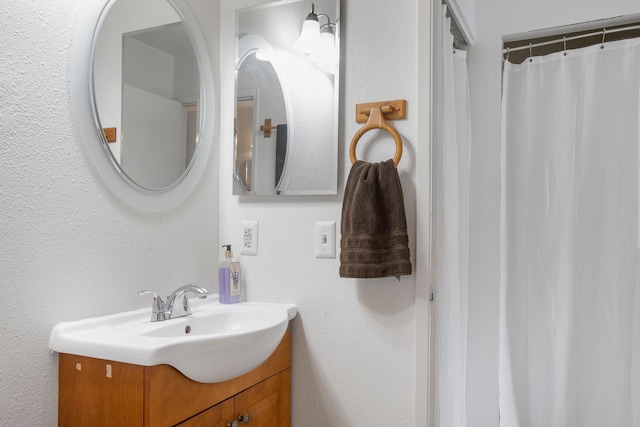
{"x":604,"y":33}
{"x":530,"y":53}
{"x":564,"y":42}
{"x":508,"y":51}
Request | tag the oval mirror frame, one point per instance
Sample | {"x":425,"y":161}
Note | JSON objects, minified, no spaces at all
{"x":248,"y":45}
{"x":88,"y":20}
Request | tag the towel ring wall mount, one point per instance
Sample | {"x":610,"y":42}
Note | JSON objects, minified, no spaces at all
{"x":376,"y":115}
{"x":267,"y":128}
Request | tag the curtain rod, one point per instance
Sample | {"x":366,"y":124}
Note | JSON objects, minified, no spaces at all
{"x":604,"y":32}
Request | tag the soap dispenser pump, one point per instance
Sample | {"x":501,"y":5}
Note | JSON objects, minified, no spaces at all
{"x":229,"y":291}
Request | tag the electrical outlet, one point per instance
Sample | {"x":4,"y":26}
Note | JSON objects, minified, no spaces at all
{"x":325,"y":239}
{"x":249,"y":238}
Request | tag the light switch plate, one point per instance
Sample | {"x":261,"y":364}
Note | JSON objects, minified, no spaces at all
{"x":325,"y":239}
{"x":249,"y":238}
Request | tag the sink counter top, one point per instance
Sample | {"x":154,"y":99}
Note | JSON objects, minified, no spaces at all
{"x":215,"y":343}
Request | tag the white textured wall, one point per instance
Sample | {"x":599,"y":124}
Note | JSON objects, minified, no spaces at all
{"x":68,"y":248}
{"x":353,"y":341}
{"x":495,"y":18}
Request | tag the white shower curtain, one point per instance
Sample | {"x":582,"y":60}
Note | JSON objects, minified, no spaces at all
{"x":453,"y":150}
{"x":570,"y":304}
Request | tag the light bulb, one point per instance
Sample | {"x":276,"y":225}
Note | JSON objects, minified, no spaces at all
{"x":309,"y":37}
{"x":326,"y":48}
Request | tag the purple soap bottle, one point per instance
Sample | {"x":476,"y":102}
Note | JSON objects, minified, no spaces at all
{"x":229,"y":291}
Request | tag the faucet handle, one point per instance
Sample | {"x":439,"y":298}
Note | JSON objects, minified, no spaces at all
{"x":157,"y":306}
{"x":157,"y":299}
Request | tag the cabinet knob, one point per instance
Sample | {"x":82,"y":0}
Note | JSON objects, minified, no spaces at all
{"x":244,"y":418}
{"x":232,"y":424}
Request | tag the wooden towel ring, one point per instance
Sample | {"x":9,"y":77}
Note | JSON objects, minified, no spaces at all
{"x":376,"y":121}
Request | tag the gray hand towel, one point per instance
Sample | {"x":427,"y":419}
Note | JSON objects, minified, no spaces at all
{"x":374,"y":239}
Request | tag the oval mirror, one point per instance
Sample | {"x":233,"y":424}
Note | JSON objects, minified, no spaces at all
{"x":260,"y":93}
{"x":146,"y":90}
{"x":286,"y":134}
{"x":149,"y":84}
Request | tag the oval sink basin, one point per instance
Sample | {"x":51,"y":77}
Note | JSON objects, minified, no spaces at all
{"x":217,"y":342}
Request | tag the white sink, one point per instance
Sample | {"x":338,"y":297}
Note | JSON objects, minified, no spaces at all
{"x":217,"y":342}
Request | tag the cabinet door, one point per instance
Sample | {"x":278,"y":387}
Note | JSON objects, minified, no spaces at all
{"x":267,"y":404}
{"x":95,"y":392}
{"x":216,"y":416}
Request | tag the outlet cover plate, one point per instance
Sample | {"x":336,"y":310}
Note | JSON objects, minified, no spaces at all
{"x":249,"y":238}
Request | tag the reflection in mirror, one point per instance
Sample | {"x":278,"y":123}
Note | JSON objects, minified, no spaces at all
{"x":286,"y":136}
{"x":146,"y":84}
{"x":259,"y":90}
{"x":244,"y":140}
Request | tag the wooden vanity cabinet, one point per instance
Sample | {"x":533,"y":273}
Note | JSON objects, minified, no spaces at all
{"x":95,"y":392}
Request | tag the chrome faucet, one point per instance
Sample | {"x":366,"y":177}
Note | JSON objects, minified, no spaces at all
{"x":165,"y":310}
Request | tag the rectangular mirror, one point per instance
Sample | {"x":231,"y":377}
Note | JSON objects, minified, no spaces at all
{"x":286,"y":87}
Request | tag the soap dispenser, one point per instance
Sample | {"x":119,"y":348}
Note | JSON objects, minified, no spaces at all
{"x":228,"y":278}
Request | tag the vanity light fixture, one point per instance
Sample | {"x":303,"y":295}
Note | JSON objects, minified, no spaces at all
{"x":314,"y":38}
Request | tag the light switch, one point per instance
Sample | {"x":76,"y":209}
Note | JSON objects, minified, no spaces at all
{"x":325,"y":239}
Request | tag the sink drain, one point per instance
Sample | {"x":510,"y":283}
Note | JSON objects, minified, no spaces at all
{"x":187,"y":329}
